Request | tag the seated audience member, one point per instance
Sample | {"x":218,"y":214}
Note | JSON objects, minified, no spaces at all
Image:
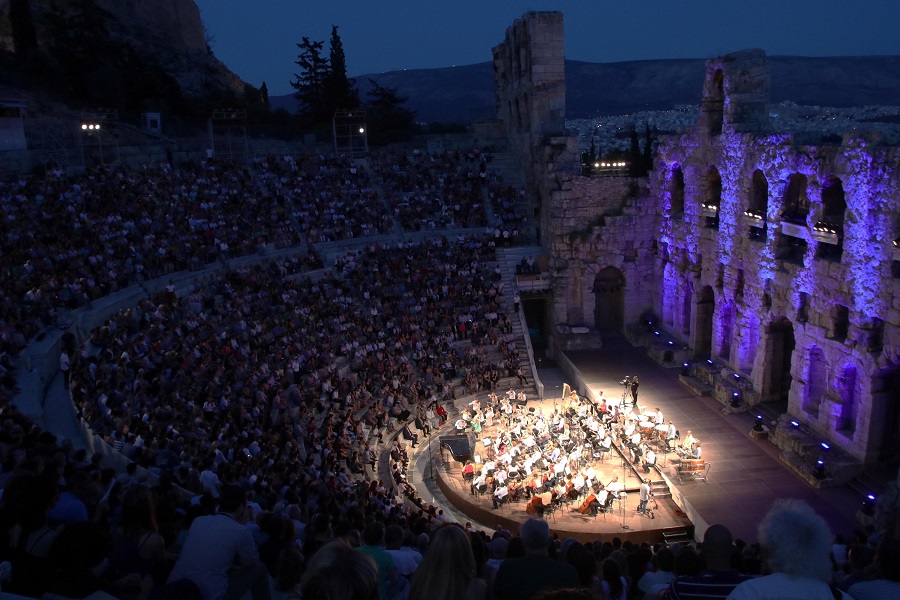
{"x":796,"y":543}
{"x":887,"y":573}
{"x":373,"y":537}
{"x":448,"y":570}
{"x":214,"y":544}
{"x":652,"y":582}
{"x":612,"y":583}
{"x":523,"y":577}
{"x":338,"y":572}
{"x":718,"y":579}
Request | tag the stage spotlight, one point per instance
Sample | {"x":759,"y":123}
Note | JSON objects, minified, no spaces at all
{"x":826,"y":446}
{"x":795,"y":424}
{"x":709,"y":360}
{"x":686,"y":369}
{"x":655,"y":333}
{"x":736,"y":399}
{"x":736,"y":376}
{"x":868,"y":504}
{"x":758,"y":425}
{"x":819,"y":469}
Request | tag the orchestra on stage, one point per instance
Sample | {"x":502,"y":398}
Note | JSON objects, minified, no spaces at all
{"x":552,"y":459}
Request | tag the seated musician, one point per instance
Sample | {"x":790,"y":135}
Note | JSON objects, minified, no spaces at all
{"x":501,"y":477}
{"x":489,"y":467}
{"x":468,"y":470}
{"x":607,"y":443}
{"x":649,"y":460}
{"x":590,"y":474}
{"x":554,"y":454}
{"x":604,"y":498}
{"x":614,"y":487}
{"x":579,"y":481}
{"x":559,"y":492}
{"x":689,"y":441}
{"x":500,"y":495}
{"x":479,"y":482}
{"x":696,"y":453}
{"x":671,"y":432}
{"x":629,"y":429}
{"x":460,"y":425}
{"x":515,"y":488}
{"x":658,"y":419}
{"x":635,"y":439}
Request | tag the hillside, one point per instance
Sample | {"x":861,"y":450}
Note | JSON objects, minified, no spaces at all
{"x":460,"y":94}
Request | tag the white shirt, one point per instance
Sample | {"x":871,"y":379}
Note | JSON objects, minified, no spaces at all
{"x":779,"y":586}
{"x":212,"y":545}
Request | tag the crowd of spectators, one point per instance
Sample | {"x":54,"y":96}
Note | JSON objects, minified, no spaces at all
{"x":432,"y":190}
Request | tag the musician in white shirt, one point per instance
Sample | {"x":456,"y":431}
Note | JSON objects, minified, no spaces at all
{"x":614,"y":486}
{"x":500,"y":495}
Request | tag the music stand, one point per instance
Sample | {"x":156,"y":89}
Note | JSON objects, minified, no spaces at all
{"x":623,"y":498}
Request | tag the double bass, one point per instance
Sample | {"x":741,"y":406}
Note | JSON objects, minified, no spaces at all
{"x":586,"y":505}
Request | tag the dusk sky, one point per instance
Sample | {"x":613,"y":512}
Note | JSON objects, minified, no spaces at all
{"x":257,"y":40}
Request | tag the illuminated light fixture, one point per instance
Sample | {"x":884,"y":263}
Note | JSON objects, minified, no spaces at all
{"x":736,"y":376}
{"x":655,"y":333}
{"x":90,"y":126}
{"x":686,"y":369}
{"x":819,"y":470}
{"x":596,"y":165}
{"x":709,"y":360}
{"x":671,"y":343}
{"x":795,"y":424}
{"x":826,"y":446}
{"x":868,"y":506}
{"x":362,"y":129}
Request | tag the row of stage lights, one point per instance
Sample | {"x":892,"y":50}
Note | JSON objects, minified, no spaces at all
{"x":819,"y":471}
{"x":607,"y":165}
{"x":90,"y":126}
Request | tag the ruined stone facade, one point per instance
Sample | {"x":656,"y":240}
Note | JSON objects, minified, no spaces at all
{"x":772,"y":258}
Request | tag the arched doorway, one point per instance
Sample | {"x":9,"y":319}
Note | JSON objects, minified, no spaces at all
{"x":609,"y":299}
{"x":779,"y":350}
{"x":885,"y":420}
{"x":703,"y":329}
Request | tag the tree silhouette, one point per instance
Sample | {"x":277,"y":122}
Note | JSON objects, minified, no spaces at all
{"x":340,"y":91}
{"x":310,"y":82}
{"x":388,"y":120}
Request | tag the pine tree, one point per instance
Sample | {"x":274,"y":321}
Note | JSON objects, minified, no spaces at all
{"x":310,"y":82}
{"x":264,"y":94}
{"x":340,"y":91}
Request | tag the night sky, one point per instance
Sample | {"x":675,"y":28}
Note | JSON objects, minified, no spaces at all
{"x":257,"y":40}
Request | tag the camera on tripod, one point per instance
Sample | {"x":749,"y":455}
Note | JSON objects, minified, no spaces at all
{"x":626,"y":381}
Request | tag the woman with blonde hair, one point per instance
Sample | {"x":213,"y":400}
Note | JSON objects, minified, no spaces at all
{"x":448,"y":570}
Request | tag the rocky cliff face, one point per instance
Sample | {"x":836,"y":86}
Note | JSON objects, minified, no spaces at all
{"x":168,"y":33}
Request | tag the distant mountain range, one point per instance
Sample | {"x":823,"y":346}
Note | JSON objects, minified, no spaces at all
{"x":466,"y":93}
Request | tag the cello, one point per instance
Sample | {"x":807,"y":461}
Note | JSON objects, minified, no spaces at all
{"x":586,"y":505}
